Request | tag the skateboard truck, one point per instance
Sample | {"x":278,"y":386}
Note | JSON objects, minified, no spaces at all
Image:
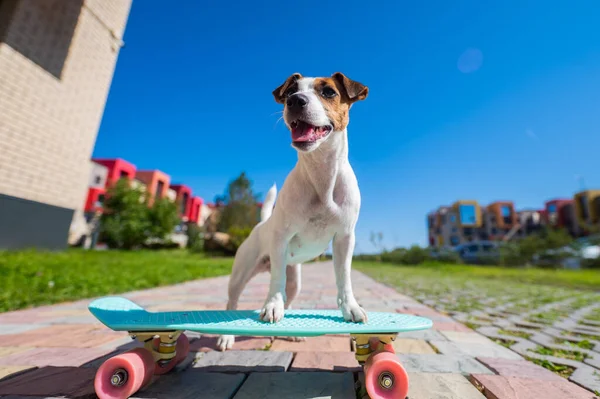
{"x":366,"y":344}
{"x":163,"y":348}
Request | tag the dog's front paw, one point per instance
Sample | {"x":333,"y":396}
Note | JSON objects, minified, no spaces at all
{"x":353,"y":312}
{"x":225,"y":342}
{"x":273,"y":310}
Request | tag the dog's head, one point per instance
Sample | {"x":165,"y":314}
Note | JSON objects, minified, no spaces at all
{"x":315,"y":108}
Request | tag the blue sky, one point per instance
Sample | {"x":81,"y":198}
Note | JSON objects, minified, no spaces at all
{"x":467,"y":100}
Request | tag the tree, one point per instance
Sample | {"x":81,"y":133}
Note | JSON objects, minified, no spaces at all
{"x":163,"y":217}
{"x":241,"y":205}
{"x":128,"y":222}
{"x":124,"y":223}
{"x":377,"y":240}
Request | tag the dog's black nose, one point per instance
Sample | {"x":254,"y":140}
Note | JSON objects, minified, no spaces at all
{"x":297,"y":100}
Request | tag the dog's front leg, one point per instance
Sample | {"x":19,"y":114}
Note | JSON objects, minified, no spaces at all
{"x":343,"y":248}
{"x":273,"y":309}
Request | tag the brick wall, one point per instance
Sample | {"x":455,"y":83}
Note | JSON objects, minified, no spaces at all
{"x":57,"y":60}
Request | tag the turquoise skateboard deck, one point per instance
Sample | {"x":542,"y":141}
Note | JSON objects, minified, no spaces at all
{"x":121,"y":314}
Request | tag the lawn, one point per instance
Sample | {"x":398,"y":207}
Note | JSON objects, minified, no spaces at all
{"x":577,"y":279}
{"x":33,"y":278}
{"x":462,"y":288}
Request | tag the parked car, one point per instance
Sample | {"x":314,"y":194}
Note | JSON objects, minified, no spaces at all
{"x":479,"y":253}
{"x":571,"y":256}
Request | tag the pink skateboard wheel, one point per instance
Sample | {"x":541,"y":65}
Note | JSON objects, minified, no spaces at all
{"x":123,"y":375}
{"x":385,"y":378}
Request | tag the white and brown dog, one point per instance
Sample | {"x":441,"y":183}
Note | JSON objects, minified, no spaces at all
{"x":319,"y":201}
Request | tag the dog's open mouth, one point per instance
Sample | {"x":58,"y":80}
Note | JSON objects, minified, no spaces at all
{"x":303,"y":132}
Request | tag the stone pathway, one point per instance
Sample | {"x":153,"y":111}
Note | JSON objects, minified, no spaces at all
{"x":53,"y":351}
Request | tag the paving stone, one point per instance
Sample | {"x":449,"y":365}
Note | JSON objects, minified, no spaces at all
{"x":5,"y":351}
{"x":450,"y":326}
{"x":193,"y":384}
{"x":500,"y":387}
{"x":6,"y":371}
{"x":467,"y":337}
{"x":51,"y":381}
{"x":325,"y":361}
{"x":313,"y":344}
{"x":441,"y":386}
{"x":426,"y":363}
{"x":518,"y":368}
{"x":427,"y":335}
{"x":41,"y":357}
{"x":73,"y":336}
{"x":6,"y":329}
{"x":209,"y":343}
{"x":243,"y":361}
{"x":300,"y":385}
{"x":407,"y":345}
{"x":475,"y":349}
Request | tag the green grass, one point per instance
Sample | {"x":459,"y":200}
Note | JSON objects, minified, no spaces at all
{"x":576,"y":279}
{"x":563,"y":371}
{"x":507,"y":343}
{"x":571,"y":355}
{"x":585,"y":344}
{"x":31,"y":278}
{"x":520,"y":334}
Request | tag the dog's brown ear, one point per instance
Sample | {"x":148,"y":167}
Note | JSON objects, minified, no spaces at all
{"x":355,"y":91}
{"x":279,"y":93}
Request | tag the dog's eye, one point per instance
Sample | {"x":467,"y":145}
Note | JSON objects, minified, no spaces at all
{"x":328,"y":92}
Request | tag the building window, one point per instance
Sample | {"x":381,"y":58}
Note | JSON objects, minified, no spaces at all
{"x":468,"y":214}
{"x":98,"y":180}
{"x":552,"y":208}
{"x":99,"y":201}
{"x":184,"y":203}
{"x":584,"y":212}
{"x":454,"y":240}
{"x":467,"y":231}
{"x":160,"y":185}
{"x":453,"y":218}
{"x":123,"y":174}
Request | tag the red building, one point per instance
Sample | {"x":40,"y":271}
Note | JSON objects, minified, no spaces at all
{"x":183,"y":199}
{"x":117,"y":168}
{"x":195,"y":209}
{"x":560,"y":212}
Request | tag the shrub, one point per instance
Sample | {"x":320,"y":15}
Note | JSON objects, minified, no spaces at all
{"x":195,"y":236}
{"x":414,"y":255}
{"x":128,"y":222}
{"x":237,"y":235}
{"x":124,"y":223}
{"x":163,"y":216}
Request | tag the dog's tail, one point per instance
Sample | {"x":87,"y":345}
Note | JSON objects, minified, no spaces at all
{"x":268,"y":204}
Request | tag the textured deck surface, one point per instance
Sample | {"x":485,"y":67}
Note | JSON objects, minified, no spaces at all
{"x":121,"y":314}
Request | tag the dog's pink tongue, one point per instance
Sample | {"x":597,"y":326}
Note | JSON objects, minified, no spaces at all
{"x":303,"y":132}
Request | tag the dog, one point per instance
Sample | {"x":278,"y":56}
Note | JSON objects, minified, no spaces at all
{"x":318,"y":204}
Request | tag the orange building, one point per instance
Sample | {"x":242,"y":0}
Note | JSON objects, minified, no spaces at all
{"x":157,"y":183}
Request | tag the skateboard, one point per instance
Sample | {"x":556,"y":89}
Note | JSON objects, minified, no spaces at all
{"x":165,"y":344}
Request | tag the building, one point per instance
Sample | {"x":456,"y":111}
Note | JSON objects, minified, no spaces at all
{"x":183,"y":197}
{"x":56,"y":65}
{"x":561,"y":213}
{"x":500,"y":220}
{"x":157,"y":183}
{"x":587,"y":209}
